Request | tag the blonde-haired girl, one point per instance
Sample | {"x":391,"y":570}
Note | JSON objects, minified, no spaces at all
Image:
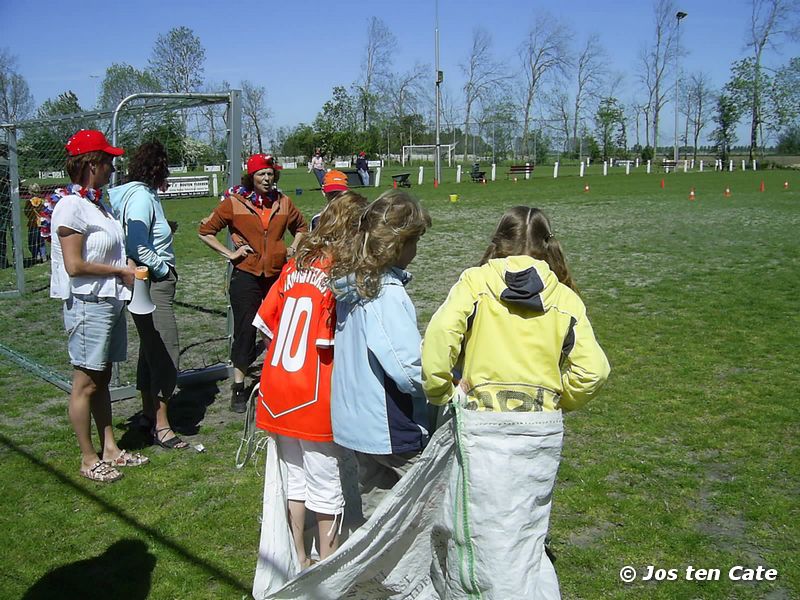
{"x":298,"y":316}
{"x":378,"y":408}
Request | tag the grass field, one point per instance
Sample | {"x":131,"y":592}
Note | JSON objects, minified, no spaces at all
{"x":688,"y":458}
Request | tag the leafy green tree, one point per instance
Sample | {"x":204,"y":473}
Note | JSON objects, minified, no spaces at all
{"x":789,"y":141}
{"x":299,"y":141}
{"x":728,"y":115}
{"x":337,"y":122}
{"x":42,"y":146}
{"x":120,"y":81}
{"x":499,"y":126}
{"x":610,"y":122}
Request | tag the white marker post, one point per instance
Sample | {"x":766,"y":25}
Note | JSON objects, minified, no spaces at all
{"x":458,"y":174}
{"x":555,"y":170}
{"x":605,"y":168}
{"x":419,"y":179}
{"x":648,"y":167}
{"x":378,"y":177}
{"x":494,"y":170}
{"x":527,"y":171}
{"x":583,"y":167}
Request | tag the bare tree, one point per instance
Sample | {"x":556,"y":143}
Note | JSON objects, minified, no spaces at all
{"x":769,"y":19}
{"x":589,"y":71}
{"x":482,"y":74}
{"x":403,"y":91}
{"x":559,"y":106}
{"x":214,"y":114}
{"x":177,"y":60}
{"x":16,"y":101}
{"x":699,"y":106}
{"x":255,"y":112}
{"x":375,"y":68}
{"x":544,"y":52}
{"x":656,"y":60}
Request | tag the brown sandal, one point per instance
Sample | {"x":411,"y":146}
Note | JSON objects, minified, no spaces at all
{"x":126,"y":459}
{"x":102,"y":472}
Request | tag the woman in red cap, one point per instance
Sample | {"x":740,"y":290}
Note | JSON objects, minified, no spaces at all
{"x":257,"y":215}
{"x":90,"y":273}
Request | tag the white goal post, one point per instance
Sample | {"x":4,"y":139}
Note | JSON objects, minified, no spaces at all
{"x":427,"y":152}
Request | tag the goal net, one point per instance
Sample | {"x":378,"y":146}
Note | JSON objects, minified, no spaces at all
{"x":202,"y":135}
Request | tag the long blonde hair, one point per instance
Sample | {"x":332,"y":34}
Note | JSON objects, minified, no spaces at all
{"x":333,"y":235}
{"x":524,"y":230}
{"x":384,"y":228}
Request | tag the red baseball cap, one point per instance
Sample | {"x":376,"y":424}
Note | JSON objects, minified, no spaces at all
{"x":362,"y":153}
{"x":334,"y":181}
{"x":262,"y":161}
{"x":91,"y":140}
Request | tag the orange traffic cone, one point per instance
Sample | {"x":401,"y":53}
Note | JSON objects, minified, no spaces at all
{"x":662,"y":184}
{"x":786,"y":185}
{"x":691,"y":194}
{"x":394,"y":183}
{"x":586,"y":188}
{"x":727,"y":192}
{"x":761,"y":188}
{"x":435,"y":183}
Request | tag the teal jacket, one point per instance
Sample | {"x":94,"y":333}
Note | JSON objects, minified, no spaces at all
{"x":148,"y":236}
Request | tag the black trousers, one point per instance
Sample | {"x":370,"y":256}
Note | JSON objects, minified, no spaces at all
{"x":247,"y":291}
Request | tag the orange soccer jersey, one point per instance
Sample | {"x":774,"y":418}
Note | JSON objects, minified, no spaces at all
{"x":299,"y":316}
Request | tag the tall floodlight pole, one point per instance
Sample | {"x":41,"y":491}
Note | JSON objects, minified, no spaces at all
{"x":439,"y":78}
{"x":679,"y":15}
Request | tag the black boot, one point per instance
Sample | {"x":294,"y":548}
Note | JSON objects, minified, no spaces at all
{"x":238,"y":398}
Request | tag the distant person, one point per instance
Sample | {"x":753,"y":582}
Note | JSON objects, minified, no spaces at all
{"x":294,"y":393}
{"x":33,"y":216}
{"x":149,"y":242}
{"x":378,"y":407}
{"x":90,"y":274}
{"x":258,"y":215}
{"x":318,"y":166}
{"x":518,"y":333}
{"x":362,"y":166}
{"x":334,"y":183}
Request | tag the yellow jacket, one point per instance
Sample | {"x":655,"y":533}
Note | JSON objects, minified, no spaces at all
{"x":520,"y":337}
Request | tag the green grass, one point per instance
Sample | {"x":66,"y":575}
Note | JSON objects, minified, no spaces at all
{"x":689,"y":457}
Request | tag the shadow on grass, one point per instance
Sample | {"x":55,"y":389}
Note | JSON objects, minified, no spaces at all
{"x":123,"y":571}
{"x":213,"y":570}
{"x":187,"y":409}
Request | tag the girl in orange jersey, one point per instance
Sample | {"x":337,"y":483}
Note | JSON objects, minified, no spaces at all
{"x":299,"y":316}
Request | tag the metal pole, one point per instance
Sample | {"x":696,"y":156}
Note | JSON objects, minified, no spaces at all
{"x":679,"y":15}
{"x":16,"y":217}
{"x":438,"y":163}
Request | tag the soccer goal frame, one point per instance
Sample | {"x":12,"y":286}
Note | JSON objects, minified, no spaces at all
{"x":431,"y":156}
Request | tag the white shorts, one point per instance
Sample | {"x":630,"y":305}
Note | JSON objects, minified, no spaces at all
{"x":313,"y":474}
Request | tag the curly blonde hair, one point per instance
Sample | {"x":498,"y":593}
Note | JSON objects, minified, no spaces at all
{"x":333,"y":235}
{"x":384,"y":228}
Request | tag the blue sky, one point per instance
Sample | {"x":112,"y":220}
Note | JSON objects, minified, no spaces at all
{"x":300,"y":49}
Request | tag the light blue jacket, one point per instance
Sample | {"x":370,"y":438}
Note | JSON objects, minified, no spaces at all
{"x":148,"y":236}
{"x":377,"y":402}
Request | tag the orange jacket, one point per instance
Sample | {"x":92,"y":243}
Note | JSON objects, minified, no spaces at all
{"x":239,"y":216}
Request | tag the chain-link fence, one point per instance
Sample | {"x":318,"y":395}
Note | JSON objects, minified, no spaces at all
{"x":202,"y":135}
